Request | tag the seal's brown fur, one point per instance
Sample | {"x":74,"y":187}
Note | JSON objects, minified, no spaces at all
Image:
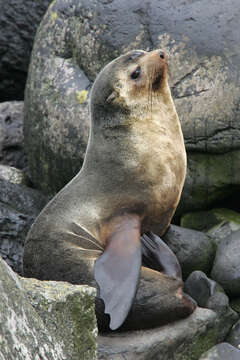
{"x":130,"y":183}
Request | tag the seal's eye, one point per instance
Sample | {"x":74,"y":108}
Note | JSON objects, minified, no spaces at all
{"x":136,"y":73}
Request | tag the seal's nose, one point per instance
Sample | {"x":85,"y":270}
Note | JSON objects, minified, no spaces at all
{"x":162,"y":54}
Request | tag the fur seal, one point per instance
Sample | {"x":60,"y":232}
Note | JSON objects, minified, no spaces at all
{"x":130,"y":184}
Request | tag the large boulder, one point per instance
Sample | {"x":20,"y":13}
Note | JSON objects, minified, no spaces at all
{"x":75,"y":40}
{"x":18,"y":23}
{"x":45,"y":320}
{"x":182,"y":340}
{"x":69,"y":314}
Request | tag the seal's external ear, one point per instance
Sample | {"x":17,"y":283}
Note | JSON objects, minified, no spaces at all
{"x":111,"y":97}
{"x":117,"y":271}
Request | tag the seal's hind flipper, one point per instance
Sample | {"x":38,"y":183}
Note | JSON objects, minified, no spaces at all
{"x":158,"y":256}
{"x":117,"y":270}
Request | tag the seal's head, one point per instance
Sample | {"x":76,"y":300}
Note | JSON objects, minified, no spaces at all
{"x":138,"y":78}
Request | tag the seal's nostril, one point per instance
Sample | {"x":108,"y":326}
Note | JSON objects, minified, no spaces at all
{"x":161,"y":54}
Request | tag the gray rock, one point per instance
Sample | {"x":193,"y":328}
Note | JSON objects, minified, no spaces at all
{"x":194,"y":249}
{"x":18,"y":22}
{"x":13,"y":175}
{"x":207,"y":293}
{"x":201,"y":288}
{"x":11,"y":133}
{"x":226,"y":267}
{"x":222,"y":230}
{"x":223,"y":351}
{"x":19,"y":206}
{"x":58,"y":112}
{"x":235,"y":305}
{"x":234,"y":335}
{"x":85,"y":36}
{"x":21,"y":198}
{"x":181,"y":340}
{"x":68,"y":313}
{"x":23,"y":335}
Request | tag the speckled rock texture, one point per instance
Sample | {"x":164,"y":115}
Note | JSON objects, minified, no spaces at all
{"x":183,"y":340}
{"x":23,"y":335}
{"x":13,"y":175}
{"x":19,"y":206}
{"x":18,"y":23}
{"x":11,"y":134}
{"x":68,"y":313}
{"x":77,"y":38}
{"x":223,"y":351}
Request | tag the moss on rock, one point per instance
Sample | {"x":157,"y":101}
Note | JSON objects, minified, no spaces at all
{"x":68,"y":312}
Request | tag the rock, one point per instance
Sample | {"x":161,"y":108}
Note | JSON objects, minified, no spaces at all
{"x":235,"y":305}
{"x":19,"y":206}
{"x":181,"y":340}
{"x":222,"y":230}
{"x":201,"y":288}
{"x":68,"y":312}
{"x":23,"y":335}
{"x":11,"y":133}
{"x":207,"y":293}
{"x":226,"y":267}
{"x":194,"y":249}
{"x":58,"y":112}
{"x":207,"y":220}
{"x":82,"y":37}
{"x":223,"y":351}
{"x":234,"y":335}
{"x":18,"y":22}
{"x":13,"y":175}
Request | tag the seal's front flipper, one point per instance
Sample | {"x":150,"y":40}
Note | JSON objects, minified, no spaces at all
{"x":158,"y":256}
{"x":117,"y":270}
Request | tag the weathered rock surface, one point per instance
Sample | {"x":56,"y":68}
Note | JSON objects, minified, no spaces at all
{"x":13,"y":175}
{"x":19,"y":206}
{"x":211,"y":221}
{"x":23,"y":335}
{"x":222,"y":230}
{"x":181,"y":340}
{"x":18,"y":22}
{"x":194,"y":249}
{"x":234,"y":335}
{"x":226,"y":267}
{"x":11,"y":133}
{"x":58,"y":112}
{"x":235,"y":305}
{"x":76,"y":37}
{"x":223,"y":351}
{"x":69,"y":314}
